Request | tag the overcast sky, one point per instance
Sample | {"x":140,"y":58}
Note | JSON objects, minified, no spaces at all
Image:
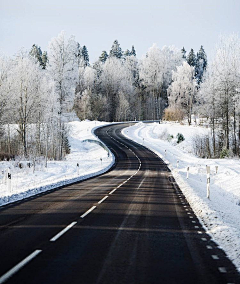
{"x":97,"y":23}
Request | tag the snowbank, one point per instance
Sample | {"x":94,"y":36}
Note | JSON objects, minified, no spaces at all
{"x":220,"y":214}
{"x":91,"y":158}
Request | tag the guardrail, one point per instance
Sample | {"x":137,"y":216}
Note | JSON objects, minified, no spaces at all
{"x":98,"y":143}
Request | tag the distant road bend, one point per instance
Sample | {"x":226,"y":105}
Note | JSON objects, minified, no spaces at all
{"x":129,"y":225}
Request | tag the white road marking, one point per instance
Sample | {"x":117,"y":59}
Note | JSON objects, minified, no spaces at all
{"x":17,"y":267}
{"x":204,"y":239}
{"x":193,"y":221}
{"x":190,"y":217}
{"x":140,"y":164}
{"x":222,"y":269}
{"x":209,"y":247}
{"x":104,"y":198}
{"x":199,"y":232}
{"x":215,"y":257}
{"x":196,"y":227}
{"x":113,"y":190}
{"x":87,"y":212}
{"x":63,"y":232}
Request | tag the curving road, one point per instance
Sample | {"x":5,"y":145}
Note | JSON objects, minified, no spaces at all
{"x":129,"y":225}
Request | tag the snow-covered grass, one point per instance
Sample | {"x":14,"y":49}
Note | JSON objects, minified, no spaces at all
{"x":92,"y":160}
{"x":221,"y":214}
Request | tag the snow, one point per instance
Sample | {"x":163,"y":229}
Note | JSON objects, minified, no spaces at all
{"x":25,"y":182}
{"x":220,"y":214}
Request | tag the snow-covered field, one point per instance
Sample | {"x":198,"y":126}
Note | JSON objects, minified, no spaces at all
{"x":92,"y":160}
{"x":221,"y":214}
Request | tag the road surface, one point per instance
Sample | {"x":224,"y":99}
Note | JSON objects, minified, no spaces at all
{"x":129,"y":225}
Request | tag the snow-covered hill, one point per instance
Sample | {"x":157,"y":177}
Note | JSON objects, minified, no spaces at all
{"x":220,"y":215}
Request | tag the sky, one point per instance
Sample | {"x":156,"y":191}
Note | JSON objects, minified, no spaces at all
{"x":97,"y":23}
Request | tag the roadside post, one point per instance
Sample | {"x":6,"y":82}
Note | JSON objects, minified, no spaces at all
{"x":177,"y":163}
{"x":208,"y":181}
{"x":216,"y":169}
{"x":78,"y":169}
{"x":9,"y":177}
{"x":165,"y":153}
{"x":101,"y":160}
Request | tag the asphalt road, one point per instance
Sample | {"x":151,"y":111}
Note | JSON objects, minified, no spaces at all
{"x":130,"y":225}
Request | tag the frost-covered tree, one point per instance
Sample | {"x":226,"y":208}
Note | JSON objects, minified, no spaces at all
{"x":183,"y":50}
{"x":85,"y":56}
{"x":201,"y":64}
{"x":36,"y":52}
{"x":103,"y":57}
{"x":191,"y":58}
{"x":63,"y":69}
{"x":224,"y":76}
{"x":116,"y":50}
{"x":182,"y":90}
{"x":133,"y":51}
{"x":156,"y":74}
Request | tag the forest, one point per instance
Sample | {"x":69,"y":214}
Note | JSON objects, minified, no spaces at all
{"x":39,"y":90}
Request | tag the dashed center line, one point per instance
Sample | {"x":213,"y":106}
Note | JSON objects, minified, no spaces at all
{"x":104,"y":198}
{"x":17,"y":267}
{"x":88,"y":211}
{"x":63,"y":232}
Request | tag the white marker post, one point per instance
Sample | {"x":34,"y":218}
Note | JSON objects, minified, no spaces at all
{"x":187,"y":172}
{"x":78,"y":169}
{"x":177,"y":163}
{"x":216,"y":169}
{"x":208,"y":181}
{"x":165,"y":153}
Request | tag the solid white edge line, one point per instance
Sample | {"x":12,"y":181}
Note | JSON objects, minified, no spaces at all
{"x":99,"y":202}
{"x":63,"y":231}
{"x":17,"y":267}
{"x":87,"y":212}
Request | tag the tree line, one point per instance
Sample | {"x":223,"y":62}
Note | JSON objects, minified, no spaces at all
{"x":38,"y":89}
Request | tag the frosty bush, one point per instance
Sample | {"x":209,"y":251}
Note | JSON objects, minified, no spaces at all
{"x":180,"y":138}
{"x":173,"y":114}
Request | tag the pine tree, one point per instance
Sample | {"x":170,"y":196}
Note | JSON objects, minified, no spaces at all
{"x":103,"y":57}
{"x":36,"y":52}
{"x":85,"y":56}
{"x":201,"y":64}
{"x":127,"y":53}
{"x":116,"y":50}
{"x":44,"y":60}
{"x":79,"y":54}
{"x":191,"y":59}
{"x":183,"y":50}
{"x":133,"y":52}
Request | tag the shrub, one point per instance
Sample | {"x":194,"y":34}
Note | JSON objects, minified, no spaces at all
{"x":180,"y":138}
{"x":224,"y":153}
{"x":173,"y":114}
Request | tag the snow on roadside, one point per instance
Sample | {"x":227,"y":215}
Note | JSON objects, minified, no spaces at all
{"x":92,"y":160}
{"x":220,"y":214}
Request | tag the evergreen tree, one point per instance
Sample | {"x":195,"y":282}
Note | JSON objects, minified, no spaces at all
{"x":85,"y":56}
{"x":127,"y":53}
{"x":44,"y":60}
{"x":36,"y":52}
{"x":191,"y":59}
{"x":79,"y":54}
{"x":201,"y":64}
{"x":183,"y":50}
{"x":133,"y":52}
{"x":116,"y":50}
{"x":103,"y":57}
